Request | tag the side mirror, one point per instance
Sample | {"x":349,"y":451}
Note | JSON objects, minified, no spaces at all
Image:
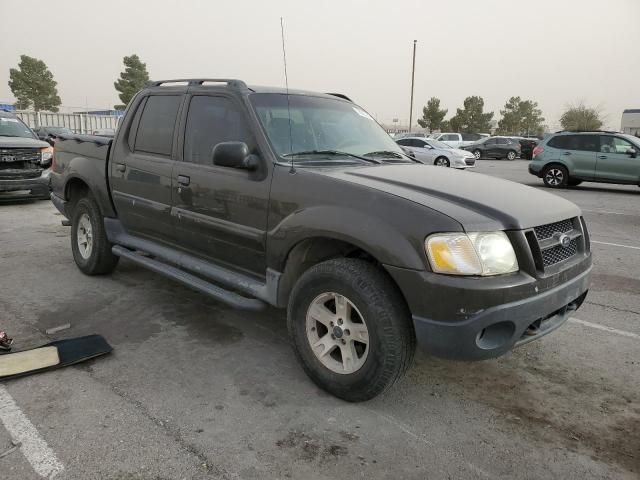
{"x":234,"y":155}
{"x":632,"y":153}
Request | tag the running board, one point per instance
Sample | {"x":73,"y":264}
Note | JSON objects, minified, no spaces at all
{"x":224,"y":296}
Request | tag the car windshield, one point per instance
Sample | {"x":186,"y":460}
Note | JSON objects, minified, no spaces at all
{"x":59,"y":130}
{"x":441,"y":145}
{"x":320,"y":125}
{"x":12,"y":127}
{"x":632,"y":139}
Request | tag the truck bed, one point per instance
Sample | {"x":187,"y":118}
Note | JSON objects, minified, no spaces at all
{"x":85,"y":158}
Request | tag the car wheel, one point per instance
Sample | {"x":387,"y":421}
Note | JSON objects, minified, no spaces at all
{"x":350,"y":328}
{"x":442,"y":162}
{"x":477,"y":153}
{"x":89,"y":245}
{"x":555,"y":176}
{"x":511,"y":155}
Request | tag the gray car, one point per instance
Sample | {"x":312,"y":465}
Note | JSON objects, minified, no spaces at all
{"x":433,"y":152}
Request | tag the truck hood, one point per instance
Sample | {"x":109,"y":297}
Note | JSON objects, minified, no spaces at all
{"x":478,"y":202}
{"x":21,"y":142}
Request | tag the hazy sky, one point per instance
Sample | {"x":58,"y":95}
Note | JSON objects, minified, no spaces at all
{"x":551,"y":51}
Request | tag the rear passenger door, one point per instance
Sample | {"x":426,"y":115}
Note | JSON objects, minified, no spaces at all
{"x":578,"y":153}
{"x":220,"y":212}
{"x":141,"y":168}
{"x":614,"y":163}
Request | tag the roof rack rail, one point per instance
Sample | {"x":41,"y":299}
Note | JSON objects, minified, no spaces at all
{"x":586,"y":131}
{"x":232,"y":82}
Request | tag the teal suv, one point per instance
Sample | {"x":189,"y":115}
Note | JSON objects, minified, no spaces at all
{"x":569,"y":158}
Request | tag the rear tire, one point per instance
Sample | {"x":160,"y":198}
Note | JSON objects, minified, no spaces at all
{"x":511,"y":155}
{"x":89,"y":244}
{"x":356,"y":295}
{"x":442,"y":162}
{"x":555,"y":176}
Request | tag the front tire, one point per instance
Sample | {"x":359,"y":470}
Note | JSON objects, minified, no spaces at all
{"x":350,"y":328}
{"x":442,"y":162}
{"x":89,"y":244}
{"x":555,"y":176}
{"x":478,"y":154}
{"x":511,"y":155}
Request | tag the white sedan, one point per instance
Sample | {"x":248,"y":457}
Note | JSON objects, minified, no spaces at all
{"x":433,"y":152}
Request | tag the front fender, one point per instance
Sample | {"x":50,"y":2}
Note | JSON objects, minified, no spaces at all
{"x":368,"y":232}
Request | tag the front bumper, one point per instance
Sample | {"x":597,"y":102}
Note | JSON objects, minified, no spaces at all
{"x":37,"y":186}
{"x":481,"y":318}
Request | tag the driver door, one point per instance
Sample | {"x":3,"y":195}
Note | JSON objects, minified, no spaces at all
{"x":614,"y":163}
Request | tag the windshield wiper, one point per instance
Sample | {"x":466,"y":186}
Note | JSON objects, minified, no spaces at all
{"x":333,"y":153}
{"x":390,"y":153}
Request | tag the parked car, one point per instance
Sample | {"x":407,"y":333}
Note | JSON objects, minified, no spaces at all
{"x":456,"y":140}
{"x":398,"y":136}
{"x":104,"y":132}
{"x":433,"y":152}
{"x":495,"y":147}
{"x":49,"y":133}
{"x":300,"y":200}
{"x":24,"y":159}
{"x":569,"y":158}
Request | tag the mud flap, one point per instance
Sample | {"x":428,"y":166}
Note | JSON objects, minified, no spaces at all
{"x":60,"y":353}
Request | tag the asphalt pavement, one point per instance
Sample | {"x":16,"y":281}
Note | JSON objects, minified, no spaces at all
{"x":196,"y":390}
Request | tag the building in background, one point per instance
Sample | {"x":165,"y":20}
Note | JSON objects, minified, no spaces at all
{"x":114,"y":113}
{"x":9,"y":107}
{"x":631,"y":121}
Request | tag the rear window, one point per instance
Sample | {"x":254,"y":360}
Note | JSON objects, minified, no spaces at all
{"x":155,"y":133}
{"x":588,"y":143}
{"x":471,"y":137}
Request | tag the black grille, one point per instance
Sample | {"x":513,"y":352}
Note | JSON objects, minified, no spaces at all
{"x":470,"y":161}
{"x":20,"y":154}
{"x":545,"y":232}
{"x":559,"y":253}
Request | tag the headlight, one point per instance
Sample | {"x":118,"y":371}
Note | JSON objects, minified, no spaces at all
{"x":46,"y":154}
{"x":480,"y":253}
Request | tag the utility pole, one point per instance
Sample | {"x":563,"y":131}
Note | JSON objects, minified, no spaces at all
{"x":413,"y":73}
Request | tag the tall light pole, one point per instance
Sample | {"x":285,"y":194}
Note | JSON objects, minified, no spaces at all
{"x":413,"y":73}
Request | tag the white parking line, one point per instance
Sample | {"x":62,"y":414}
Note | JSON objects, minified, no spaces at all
{"x":604,"y":328}
{"x":606,"y":212}
{"x":615,"y":245}
{"x":34,"y":448}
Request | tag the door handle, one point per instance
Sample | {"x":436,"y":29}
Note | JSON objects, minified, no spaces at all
{"x":567,"y":153}
{"x":121,"y":167}
{"x":184,"y":180}
{"x":602,"y":157}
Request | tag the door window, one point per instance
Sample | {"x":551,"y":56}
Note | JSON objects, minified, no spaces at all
{"x":586,"y":143}
{"x":449,"y":138}
{"x":404,"y":142}
{"x":614,"y":145}
{"x":490,"y":142}
{"x":419,"y":143}
{"x":502,"y":141}
{"x":155,"y":133}
{"x":212,"y":120}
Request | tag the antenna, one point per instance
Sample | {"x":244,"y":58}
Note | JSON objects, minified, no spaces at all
{"x":286,"y":81}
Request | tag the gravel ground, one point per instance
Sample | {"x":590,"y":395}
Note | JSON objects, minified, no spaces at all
{"x":197,"y":390}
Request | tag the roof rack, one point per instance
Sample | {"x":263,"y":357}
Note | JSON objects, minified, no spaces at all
{"x":232,"y":82}
{"x":586,"y":131}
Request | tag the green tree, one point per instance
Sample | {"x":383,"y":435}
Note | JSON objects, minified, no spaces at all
{"x":32,"y":84}
{"x":471,"y":118}
{"x":432,"y":116}
{"x":132,"y":80}
{"x":520,"y":117}
{"x":581,"y":117}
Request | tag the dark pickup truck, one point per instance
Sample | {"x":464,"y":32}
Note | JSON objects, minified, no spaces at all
{"x":259,"y":196}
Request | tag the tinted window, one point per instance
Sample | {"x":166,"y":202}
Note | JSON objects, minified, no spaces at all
{"x":212,"y":120}
{"x":502,"y":141}
{"x":419,"y":143}
{"x":155,"y":133}
{"x":405,"y":141}
{"x":576,"y":142}
{"x":471,"y":137}
{"x":491,"y":141}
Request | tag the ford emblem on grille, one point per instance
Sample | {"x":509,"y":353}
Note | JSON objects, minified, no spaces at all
{"x":564,"y":240}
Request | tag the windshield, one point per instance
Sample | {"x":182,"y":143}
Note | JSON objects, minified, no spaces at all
{"x":12,"y":127}
{"x":441,"y":145}
{"x":632,"y":139}
{"x":320,"y":125}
